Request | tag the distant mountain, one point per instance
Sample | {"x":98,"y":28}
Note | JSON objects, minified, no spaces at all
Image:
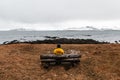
{"x":83,"y":28}
{"x":72,"y":29}
{"x":91,"y":28}
{"x":22,"y":29}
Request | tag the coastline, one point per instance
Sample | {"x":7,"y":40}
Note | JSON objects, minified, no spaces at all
{"x":55,"y":40}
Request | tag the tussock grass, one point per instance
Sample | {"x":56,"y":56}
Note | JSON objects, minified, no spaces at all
{"x":98,"y":62}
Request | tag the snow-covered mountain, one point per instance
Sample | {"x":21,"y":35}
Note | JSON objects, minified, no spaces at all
{"x":82,"y":28}
{"x":92,"y":28}
{"x":22,"y":29}
{"x":73,"y":28}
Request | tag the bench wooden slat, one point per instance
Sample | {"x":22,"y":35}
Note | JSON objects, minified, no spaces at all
{"x":62,"y":60}
{"x":53,"y":56}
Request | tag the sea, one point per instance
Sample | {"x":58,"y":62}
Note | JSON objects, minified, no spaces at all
{"x":99,"y":35}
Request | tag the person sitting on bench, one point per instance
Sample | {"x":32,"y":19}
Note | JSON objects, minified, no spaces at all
{"x":58,"y":50}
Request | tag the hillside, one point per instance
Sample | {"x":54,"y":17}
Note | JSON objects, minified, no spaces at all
{"x":98,"y":62}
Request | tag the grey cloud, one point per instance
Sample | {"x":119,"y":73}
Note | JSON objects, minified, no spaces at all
{"x":36,"y":11}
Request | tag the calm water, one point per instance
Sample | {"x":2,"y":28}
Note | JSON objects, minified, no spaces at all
{"x":109,"y":35}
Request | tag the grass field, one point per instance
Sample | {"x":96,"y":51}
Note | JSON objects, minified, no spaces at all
{"x":22,"y":62}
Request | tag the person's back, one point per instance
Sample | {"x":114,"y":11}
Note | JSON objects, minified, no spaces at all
{"x":58,"y":50}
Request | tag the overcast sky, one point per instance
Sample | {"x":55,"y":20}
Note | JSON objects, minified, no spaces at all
{"x":59,"y":14}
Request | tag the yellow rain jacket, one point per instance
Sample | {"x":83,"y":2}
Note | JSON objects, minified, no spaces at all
{"x":58,"y":51}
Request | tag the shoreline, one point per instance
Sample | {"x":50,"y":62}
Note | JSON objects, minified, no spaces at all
{"x":59,"y":40}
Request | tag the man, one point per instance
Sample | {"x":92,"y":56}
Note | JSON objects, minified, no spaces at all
{"x":58,"y":50}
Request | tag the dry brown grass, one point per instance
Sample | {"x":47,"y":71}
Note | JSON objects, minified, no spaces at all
{"x":98,"y":62}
